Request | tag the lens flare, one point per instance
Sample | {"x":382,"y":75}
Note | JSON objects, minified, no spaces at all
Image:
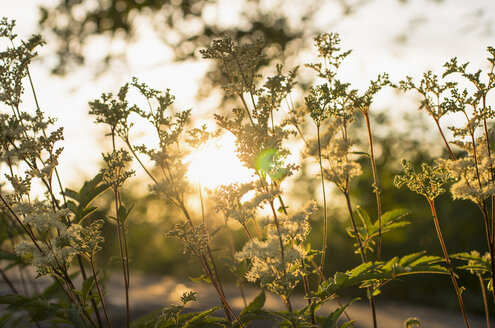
{"x":215,"y":163}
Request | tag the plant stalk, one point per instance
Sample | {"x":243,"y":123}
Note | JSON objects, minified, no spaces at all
{"x":447,"y":260}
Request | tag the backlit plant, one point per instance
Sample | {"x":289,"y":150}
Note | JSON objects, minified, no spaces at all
{"x":60,"y":234}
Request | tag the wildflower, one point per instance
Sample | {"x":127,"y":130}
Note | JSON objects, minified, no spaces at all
{"x":86,"y":240}
{"x":229,"y":201}
{"x":41,"y":216}
{"x":114,"y":174}
{"x":474,"y":173}
{"x":429,"y":182}
{"x":194,"y":239}
{"x":268,"y":268}
{"x":280,"y":274}
{"x":51,"y":258}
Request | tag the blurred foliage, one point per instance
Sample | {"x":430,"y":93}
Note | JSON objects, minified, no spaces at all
{"x":74,"y":22}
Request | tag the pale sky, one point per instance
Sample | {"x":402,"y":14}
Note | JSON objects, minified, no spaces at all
{"x":451,"y":28}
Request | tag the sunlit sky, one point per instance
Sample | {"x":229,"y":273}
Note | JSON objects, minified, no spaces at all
{"x":435,"y":33}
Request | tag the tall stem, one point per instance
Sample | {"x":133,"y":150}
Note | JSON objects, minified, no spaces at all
{"x":325,"y":223}
{"x":100,"y":293}
{"x":362,"y":253}
{"x":447,"y":260}
{"x":376,"y":187}
{"x":485,"y":301}
{"x":122,"y":243}
{"x":452,"y":155}
{"x":7,"y":280}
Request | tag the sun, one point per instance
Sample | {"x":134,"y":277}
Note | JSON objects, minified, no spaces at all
{"x":215,"y":163}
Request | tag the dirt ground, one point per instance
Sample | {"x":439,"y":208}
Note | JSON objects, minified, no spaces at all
{"x":151,"y":292}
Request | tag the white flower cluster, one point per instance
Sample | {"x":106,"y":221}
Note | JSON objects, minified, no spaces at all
{"x":41,"y":216}
{"x":56,"y":243}
{"x":475,"y":175}
{"x":279,"y":274}
{"x":52,"y":257}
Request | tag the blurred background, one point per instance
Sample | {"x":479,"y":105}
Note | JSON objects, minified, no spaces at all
{"x":97,"y":46}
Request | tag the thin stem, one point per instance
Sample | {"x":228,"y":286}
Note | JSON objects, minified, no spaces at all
{"x":485,"y":301}
{"x":447,"y":260}
{"x":127,"y":142}
{"x":100,"y":293}
{"x":354,"y":227}
{"x":93,"y":302}
{"x":376,"y":187}
{"x":122,"y":258}
{"x":228,"y":309}
{"x":9,"y":283}
{"x":282,"y":252}
{"x":362,"y":253}
{"x":122,"y":241}
{"x":232,"y":250}
{"x":325,"y":223}
{"x":452,"y":155}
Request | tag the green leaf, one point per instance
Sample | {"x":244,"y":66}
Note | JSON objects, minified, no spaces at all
{"x":365,"y":218}
{"x":394,"y":215}
{"x":4,"y":320}
{"x":124,"y":212}
{"x":347,"y":324}
{"x":256,"y":304}
{"x":114,"y":259}
{"x":389,"y":221}
{"x":84,"y":197}
{"x":198,"y":320}
{"x":86,"y":287}
{"x":332,"y":320}
{"x":360,"y":153}
{"x":74,"y":317}
{"x":203,"y":277}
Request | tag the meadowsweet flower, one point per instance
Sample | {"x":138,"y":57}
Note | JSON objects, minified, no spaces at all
{"x":268,"y":268}
{"x":114,"y":173}
{"x":229,"y":201}
{"x":296,"y":226}
{"x":21,"y":186}
{"x":428,"y":182}
{"x":41,"y":215}
{"x":86,"y":240}
{"x":278,"y":274}
{"x":474,"y":174}
{"x":194,"y":239}
{"x":48,"y":259}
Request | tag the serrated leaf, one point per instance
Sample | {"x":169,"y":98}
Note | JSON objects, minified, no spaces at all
{"x":365,"y":218}
{"x":86,"y":287}
{"x":332,"y":320}
{"x":394,"y":215}
{"x":256,"y":304}
{"x":198,"y":320}
{"x":408,"y":259}
{"x":74,"y":317}
{"x":72,"y":194}
{"x":203,"y":278}
{"x":124,"y":212}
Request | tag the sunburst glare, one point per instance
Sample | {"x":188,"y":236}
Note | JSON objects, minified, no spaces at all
{"x":215,"y":163}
